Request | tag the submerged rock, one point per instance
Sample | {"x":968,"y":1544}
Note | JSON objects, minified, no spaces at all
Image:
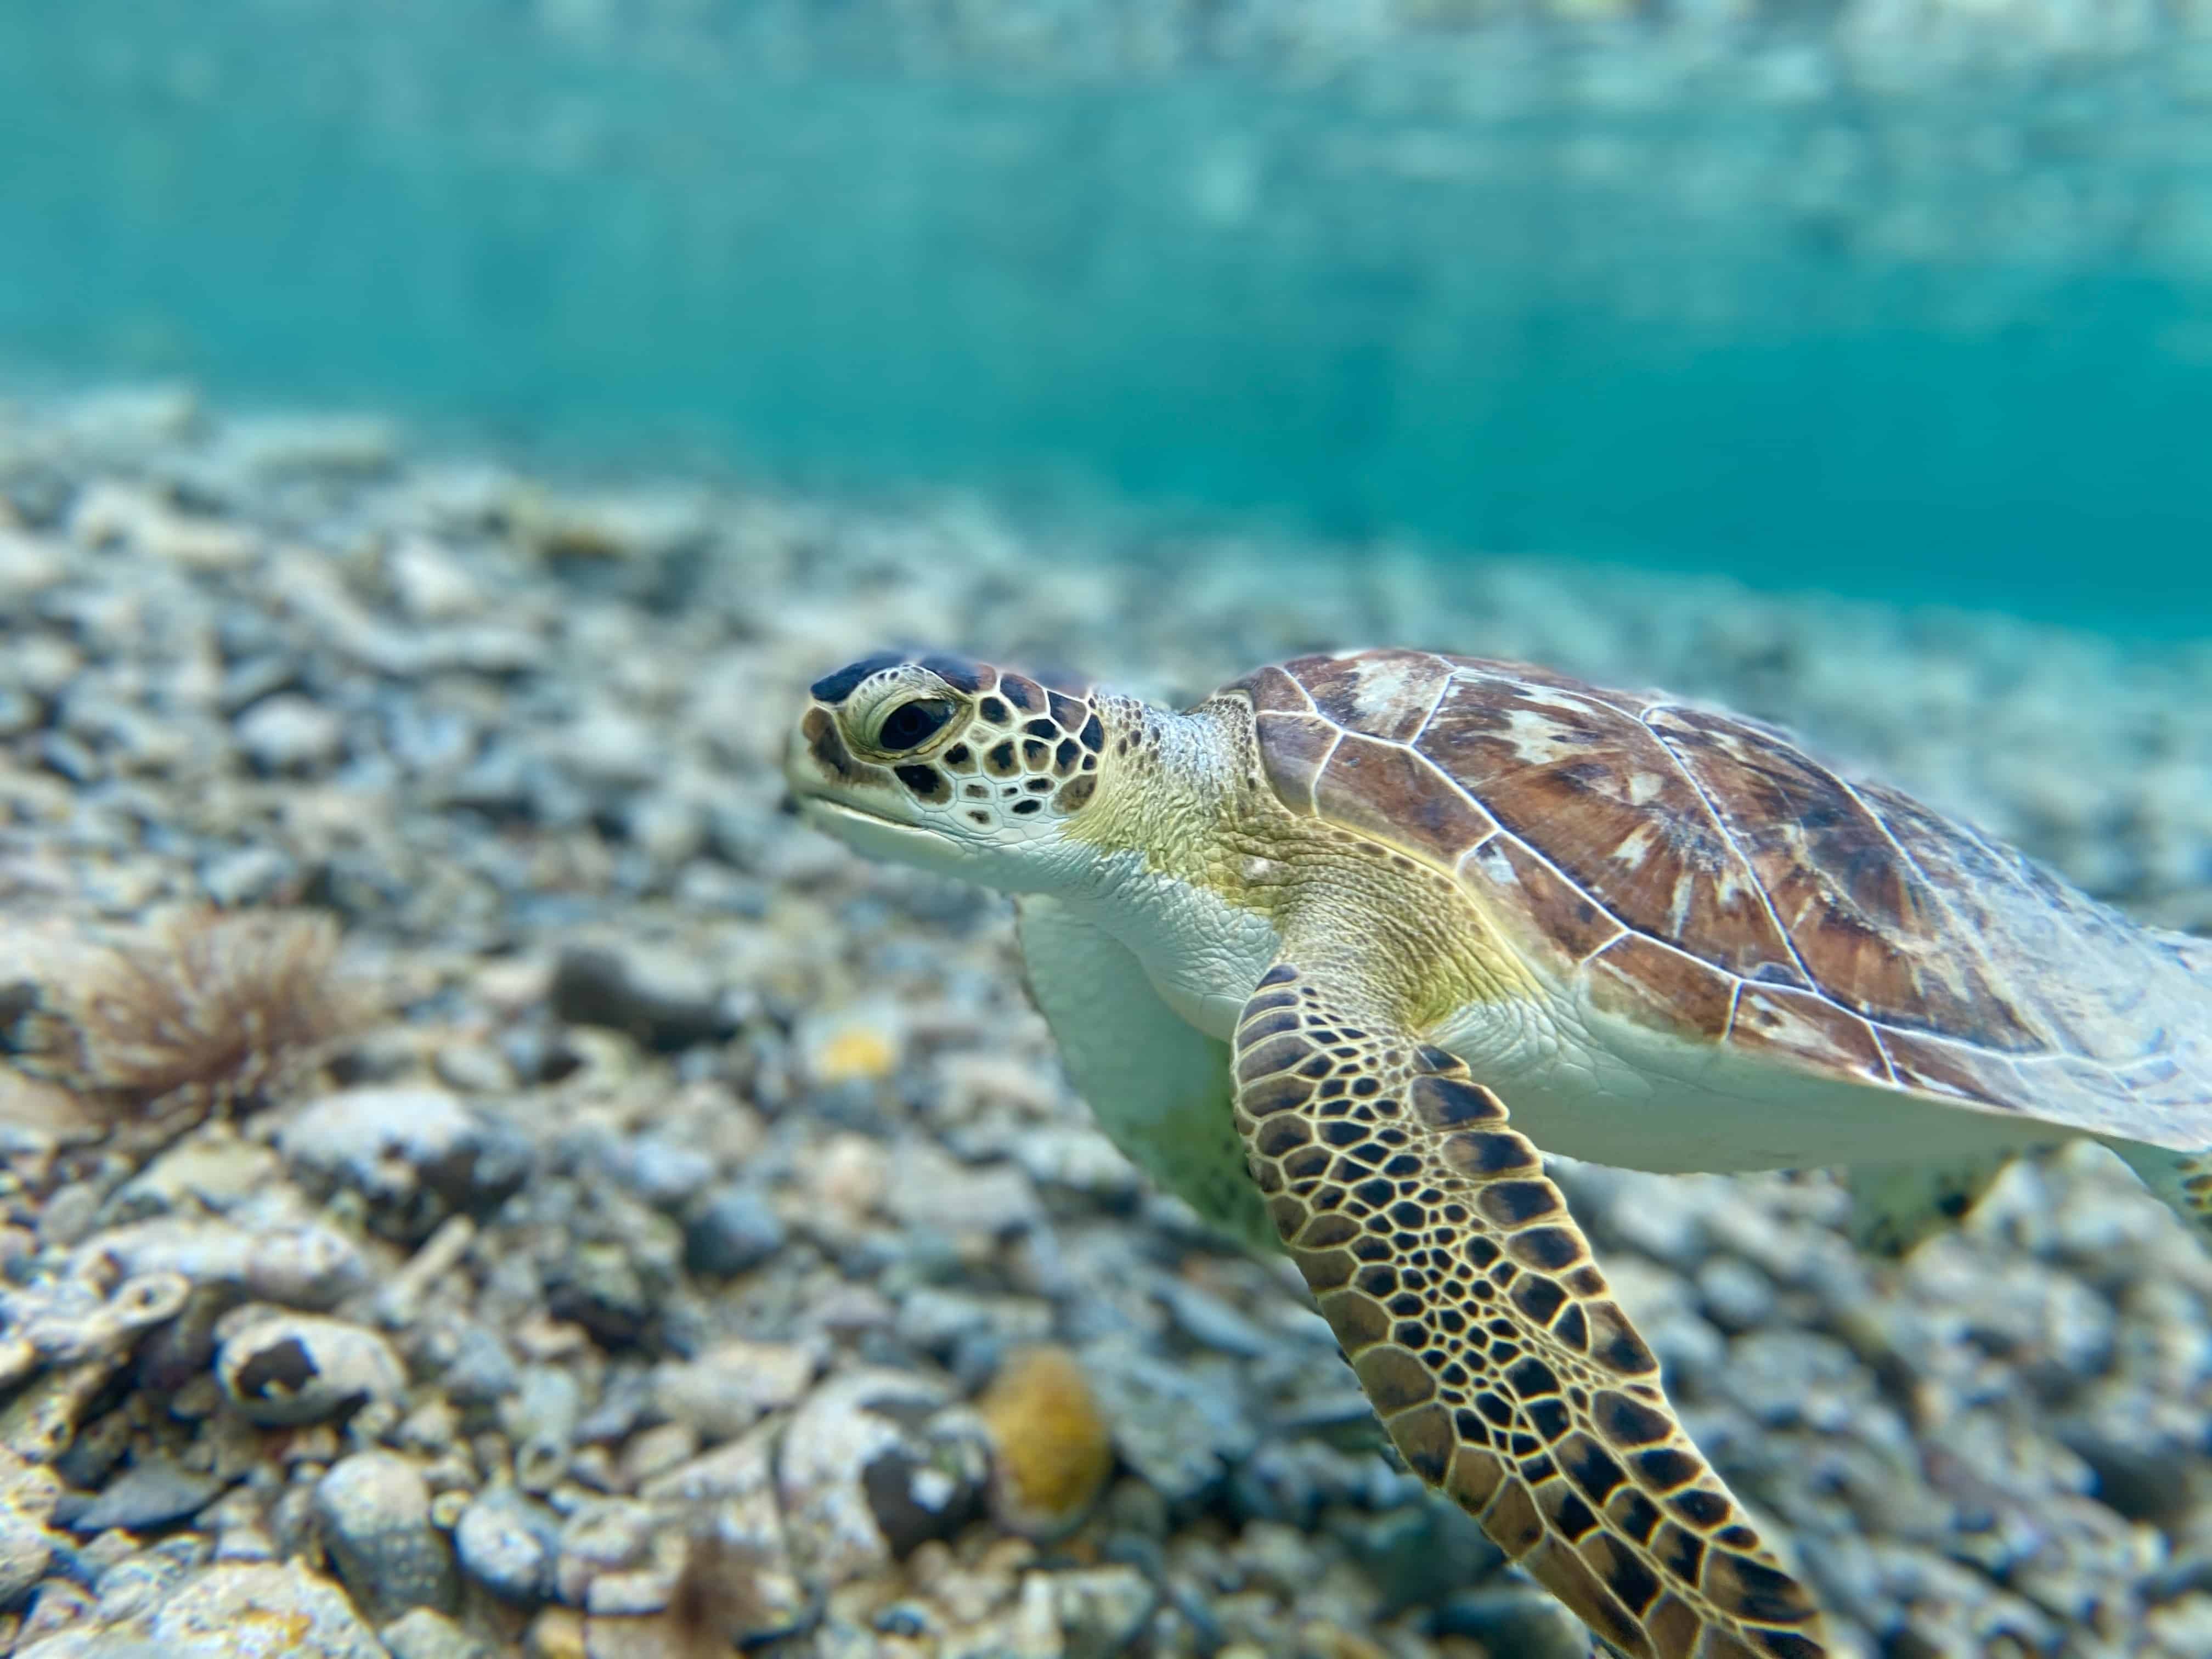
{"x":232,"y":1610}
{"x":373,"y":1510}
{"x":416,"y":1155}
{"x":871,"y":1468}
{"x":281,"y":1368}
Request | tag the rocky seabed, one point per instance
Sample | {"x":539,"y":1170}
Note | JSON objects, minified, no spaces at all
{"x":556,"y":1205}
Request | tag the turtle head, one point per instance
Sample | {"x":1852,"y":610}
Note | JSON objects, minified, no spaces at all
{"x":949,"y":764}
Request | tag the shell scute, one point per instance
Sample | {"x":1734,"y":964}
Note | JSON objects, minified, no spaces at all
{"x":1382,"y":694}
{"x":1293,"y":748}
{"x":1390,"y":793}
{"x":1808,"y":1026}
{"x":1640,"y":979}
{"x":1872,"y":931}
{"x":1554,"y":908}
{"x":1960,"y":1070}
{"x":1272,"y":691}
{"x":1588,"y":784}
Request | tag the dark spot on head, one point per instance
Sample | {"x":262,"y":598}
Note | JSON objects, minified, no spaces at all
{"x":1068,"y":711}
{"x":1063,"y":757}
{"x":1025,"y":694}
{"x":1024,"y":808}
{"x":994,"y":711}
{"x":979,"y":817}
{"x":959,"y":755}
{"x":1038,"y":785}
{"x":1035,"y":754}
{"x":955,"y":672}
{"x":828,"y":748}
{"x":836,"y":688}
{"x":999,"y":759}
{"x":1041,"y":728}
{"x":925,"y":782}
{"x":1092,"y":734}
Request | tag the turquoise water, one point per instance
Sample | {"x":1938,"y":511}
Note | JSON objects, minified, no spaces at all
{"x":1720,"y":310}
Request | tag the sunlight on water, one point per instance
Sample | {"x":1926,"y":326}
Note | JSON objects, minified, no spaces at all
{"x":1947,"y":338}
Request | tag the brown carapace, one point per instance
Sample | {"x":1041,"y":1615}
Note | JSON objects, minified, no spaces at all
{"x":1703,"y":875}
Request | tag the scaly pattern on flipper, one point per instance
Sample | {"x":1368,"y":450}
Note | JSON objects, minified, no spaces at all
{"x":2183,"y":1180}
{"x":1895,"y":1205}
{"x":1465,"y":1298}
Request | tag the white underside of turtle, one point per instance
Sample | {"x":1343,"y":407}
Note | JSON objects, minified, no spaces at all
{"x":1336,"y":956}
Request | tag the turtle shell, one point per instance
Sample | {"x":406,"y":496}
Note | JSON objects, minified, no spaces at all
{"x":1700,"y":873}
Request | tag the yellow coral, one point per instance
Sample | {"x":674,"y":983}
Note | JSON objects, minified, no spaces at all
{"x":855,"y":1052}
{"x":1053,"y":1448}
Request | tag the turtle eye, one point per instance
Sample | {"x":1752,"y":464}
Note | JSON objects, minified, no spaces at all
{"x":912,"y":724}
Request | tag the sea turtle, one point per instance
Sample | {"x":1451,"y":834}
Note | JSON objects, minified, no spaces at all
{"x":1307,"y":943}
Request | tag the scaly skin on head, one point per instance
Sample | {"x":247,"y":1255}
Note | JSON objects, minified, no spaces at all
{"x":983,"y":773}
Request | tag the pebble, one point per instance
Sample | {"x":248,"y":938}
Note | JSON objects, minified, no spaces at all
{"x":374,"y":1508}
{"x":150,"y":1493}
{"x":665,"y":1005}
{"x":281,"y":1368}
{"x":505,"y":1542}
{"x":1100,"y":1610}
{"x":214,"y":1170}
{"x":1180,"y":1426}
{"x":423,"y":1634}
{"x":289,"y":732}
{"x":28,"y":1497}
{"x":1524,"y":1623}
{"x":733,"y":1232}
{"x":933,"y":1190}
{"x":231,"y":1610}
{"x":863,"y":1488}
{"x":732,"y":1386}
{"x":417,"y":1155}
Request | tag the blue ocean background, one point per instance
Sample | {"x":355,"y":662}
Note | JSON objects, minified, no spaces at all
{"x":1927,"y":318}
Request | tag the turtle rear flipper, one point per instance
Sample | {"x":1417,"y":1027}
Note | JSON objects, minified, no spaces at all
{"x":2183,"y":1180}
{"x":1895,"y":1205}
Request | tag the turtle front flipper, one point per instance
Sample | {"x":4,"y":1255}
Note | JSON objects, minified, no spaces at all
{"x":1466,"y":1299}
